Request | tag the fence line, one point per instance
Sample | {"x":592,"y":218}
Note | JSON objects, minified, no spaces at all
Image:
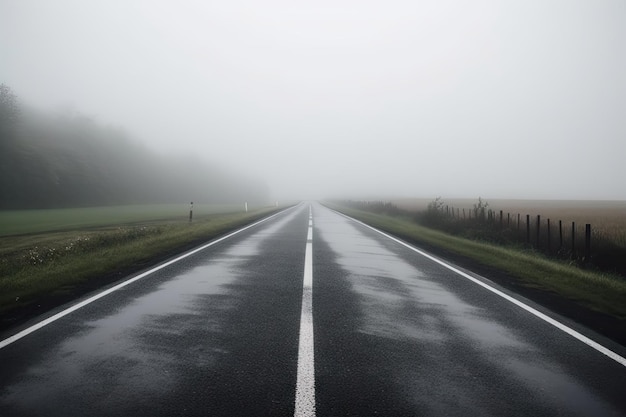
{"x":586,"y":247}
{"x":541,"y":239}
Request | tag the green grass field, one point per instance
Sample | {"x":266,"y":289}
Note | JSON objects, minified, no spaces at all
{"x":16,"y":222}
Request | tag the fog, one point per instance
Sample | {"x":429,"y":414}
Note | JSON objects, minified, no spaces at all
{"x":355,"y":99}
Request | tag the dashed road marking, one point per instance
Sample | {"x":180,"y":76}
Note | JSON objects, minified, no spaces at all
{"x":305,"y":383}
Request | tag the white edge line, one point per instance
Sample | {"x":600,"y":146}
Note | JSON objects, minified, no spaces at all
{"x":586,"y":340}
{"x":51,"y":319}
{"x":305,"y":379}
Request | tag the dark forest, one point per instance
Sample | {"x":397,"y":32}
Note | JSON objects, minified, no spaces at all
{"x":66,"y":159}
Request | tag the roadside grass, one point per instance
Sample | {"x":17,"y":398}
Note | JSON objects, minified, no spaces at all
{"x":34,"y":267}
{"x":602,"y":293}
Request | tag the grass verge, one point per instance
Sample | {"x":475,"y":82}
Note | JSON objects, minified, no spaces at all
{"x":597,"y":292}
{"x":38,"y":271}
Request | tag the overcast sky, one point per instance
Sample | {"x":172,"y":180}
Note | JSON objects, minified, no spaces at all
{"x":500,"y":99}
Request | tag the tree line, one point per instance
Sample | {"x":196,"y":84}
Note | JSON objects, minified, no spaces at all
{"x":69,"y":160}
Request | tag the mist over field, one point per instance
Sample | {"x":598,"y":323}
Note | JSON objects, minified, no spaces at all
{"x":318,"y":99}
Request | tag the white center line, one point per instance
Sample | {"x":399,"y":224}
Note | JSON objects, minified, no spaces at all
{"x":305,"y":384}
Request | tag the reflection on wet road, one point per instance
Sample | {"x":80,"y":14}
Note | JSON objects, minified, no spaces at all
{"x":217,"y":334}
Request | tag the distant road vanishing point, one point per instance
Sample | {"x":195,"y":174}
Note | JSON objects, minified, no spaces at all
{"x":307,"y":313}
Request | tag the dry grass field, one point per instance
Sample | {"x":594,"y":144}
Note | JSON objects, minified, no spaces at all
{"x":607,"y":218}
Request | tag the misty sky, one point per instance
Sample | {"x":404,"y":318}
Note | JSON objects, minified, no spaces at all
{"x":520,"y":99}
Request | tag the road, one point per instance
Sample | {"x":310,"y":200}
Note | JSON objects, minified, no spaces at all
{"x":309,"y":313}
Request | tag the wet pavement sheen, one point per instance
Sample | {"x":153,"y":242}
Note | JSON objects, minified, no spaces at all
{"x":217,"y":334}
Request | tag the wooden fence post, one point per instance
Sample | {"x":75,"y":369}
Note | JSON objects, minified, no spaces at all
{"x":587,"y":243}
{"x":528,"y":229}
{"x":573,"y":240}
{"x":560,"y":234}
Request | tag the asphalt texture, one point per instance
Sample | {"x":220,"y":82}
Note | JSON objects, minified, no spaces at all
{"x":217,"y":333}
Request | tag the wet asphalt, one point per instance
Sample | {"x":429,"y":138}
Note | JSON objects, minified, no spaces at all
{"x":395,"y":334}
